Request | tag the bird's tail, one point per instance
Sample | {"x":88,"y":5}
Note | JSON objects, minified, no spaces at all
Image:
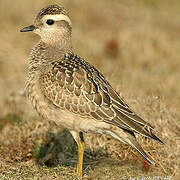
{"x":130,"y":139}
{"x":133,"y":142}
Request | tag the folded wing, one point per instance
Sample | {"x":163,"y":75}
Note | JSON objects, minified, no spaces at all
{"x":74,"y":85}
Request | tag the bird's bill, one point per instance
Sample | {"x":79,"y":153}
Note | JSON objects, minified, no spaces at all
{"x":29,"y":28}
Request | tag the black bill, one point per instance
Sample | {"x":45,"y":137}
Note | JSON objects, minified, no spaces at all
{"x":29,"y":28}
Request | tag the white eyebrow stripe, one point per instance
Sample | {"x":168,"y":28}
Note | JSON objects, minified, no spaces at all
{"x":58,"y":17}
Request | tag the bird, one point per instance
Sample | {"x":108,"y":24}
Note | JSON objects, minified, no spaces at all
{"x":66,"y":89}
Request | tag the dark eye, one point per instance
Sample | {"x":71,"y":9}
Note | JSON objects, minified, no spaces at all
{"x":50,"y":22}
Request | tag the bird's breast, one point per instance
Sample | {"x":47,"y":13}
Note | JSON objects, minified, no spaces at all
{"x":37,"y":100}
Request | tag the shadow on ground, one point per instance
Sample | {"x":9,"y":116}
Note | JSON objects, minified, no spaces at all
{"x":61,"y":149}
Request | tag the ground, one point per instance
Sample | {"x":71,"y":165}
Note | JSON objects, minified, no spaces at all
{"x":136,"y":45}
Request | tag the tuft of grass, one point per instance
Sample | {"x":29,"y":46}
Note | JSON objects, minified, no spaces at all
{"x":12,"y":118}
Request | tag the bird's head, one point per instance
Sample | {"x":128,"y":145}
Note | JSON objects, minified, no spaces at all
{"x":52,"y":24}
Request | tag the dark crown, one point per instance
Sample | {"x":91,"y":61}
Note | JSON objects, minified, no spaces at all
{"x":51,"y":10}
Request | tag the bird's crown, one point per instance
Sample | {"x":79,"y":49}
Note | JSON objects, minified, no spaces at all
{"x":51,"y":10}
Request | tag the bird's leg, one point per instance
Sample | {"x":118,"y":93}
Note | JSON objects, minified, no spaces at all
{"x":81,"y":147}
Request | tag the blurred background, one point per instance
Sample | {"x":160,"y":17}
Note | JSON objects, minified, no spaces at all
{"x":136,"y":45}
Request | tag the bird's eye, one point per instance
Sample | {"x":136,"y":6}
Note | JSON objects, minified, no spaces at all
{"x":50,"y":22}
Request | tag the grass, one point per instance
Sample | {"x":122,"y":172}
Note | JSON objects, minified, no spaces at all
{"x":136,"y":46}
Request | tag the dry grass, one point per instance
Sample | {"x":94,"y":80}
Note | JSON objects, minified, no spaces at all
{"x":136,"y":45}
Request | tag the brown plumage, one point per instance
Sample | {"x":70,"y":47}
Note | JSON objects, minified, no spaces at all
{"x":66,"y":89}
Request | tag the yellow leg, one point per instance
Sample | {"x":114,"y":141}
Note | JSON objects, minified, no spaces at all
{"x":81,"y":147}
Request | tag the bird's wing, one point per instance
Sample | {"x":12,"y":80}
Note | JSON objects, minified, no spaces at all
{"x":73,"y":84}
